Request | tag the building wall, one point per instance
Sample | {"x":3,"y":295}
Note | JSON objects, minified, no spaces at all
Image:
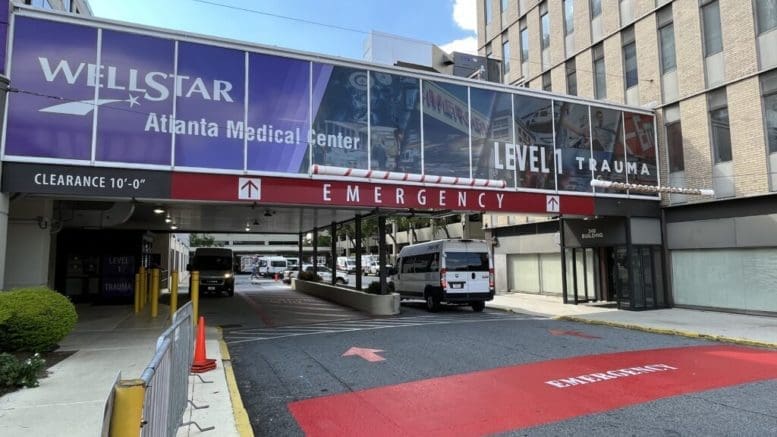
{"x":29,"y":240}
{"x":741,"y":73}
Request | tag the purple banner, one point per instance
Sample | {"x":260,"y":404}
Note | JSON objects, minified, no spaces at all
{"x":210,"y":107}
{"x":54,"y":71}
{"x":278,"y":116}
{"x":4,"y":17}
{"x":135,"y":100}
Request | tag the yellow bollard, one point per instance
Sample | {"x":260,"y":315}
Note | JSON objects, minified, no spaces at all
{"x":194,"y":295}
{"x":142,"y":288}
{"x":127,"y":413}
{"x":173,"y":293}
{"x":137,"y":293}
{"x":148,"y":285}
{"x":154,"y":292}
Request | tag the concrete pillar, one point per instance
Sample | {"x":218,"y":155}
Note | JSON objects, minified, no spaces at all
{"x":4,"y":204}
{"x":382,"y":253}
{"x":333,"y":248}
{"x":358,"y":231}
{"x":28,"y":243}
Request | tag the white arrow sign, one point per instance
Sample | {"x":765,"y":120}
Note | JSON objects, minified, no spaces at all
{"x":249,"y":189}
{"x":552,"y":203}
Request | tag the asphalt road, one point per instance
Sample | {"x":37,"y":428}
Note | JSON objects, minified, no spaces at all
{"x":457,"y":372}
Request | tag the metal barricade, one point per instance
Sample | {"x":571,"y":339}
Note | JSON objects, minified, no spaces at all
{"x":167,"y":377}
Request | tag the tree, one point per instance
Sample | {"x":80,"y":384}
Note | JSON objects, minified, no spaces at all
{"x":201,"y":240}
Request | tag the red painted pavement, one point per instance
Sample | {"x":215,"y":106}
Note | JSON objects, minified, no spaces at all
{"x":521,"y":396}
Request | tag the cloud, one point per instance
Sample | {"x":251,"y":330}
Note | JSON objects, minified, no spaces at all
{"x":464,"y":14}
{"x":465,"y":17}
{"x":463,"y":45}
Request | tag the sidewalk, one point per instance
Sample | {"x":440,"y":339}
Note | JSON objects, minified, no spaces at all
{"x":109,"y":339}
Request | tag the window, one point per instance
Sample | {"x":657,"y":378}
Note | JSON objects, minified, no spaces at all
{"x":489,"y":51}
{"x":769,"y":86}
{"x":524,"y":41}
{"x":630,"y":57}
{"x":766,"y":15}
{"x":506,"y":55}
{"x":674,"y":138}
{"x":466,"y":261}
{"x":571,"y":78}
{"x":503,"y":7}
{"x":666,"y":39}
{"x":596,"y":8}
{"x":721,"y":135}
{"x":545,"y":26}
{"x":600,"y":76}
{"x":713,"y":39}
{"x":569,"y":17}
{"x":546,"y":85}
{"x":489,"y":12}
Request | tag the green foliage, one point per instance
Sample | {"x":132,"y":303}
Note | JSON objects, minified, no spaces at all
{"x":309,"y":276}
{"x":201,"y":240}
{"x":34,"y":319}
{"x":15,"y":373}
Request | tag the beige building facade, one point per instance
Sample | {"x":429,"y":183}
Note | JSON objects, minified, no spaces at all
{"x":709,"y":70}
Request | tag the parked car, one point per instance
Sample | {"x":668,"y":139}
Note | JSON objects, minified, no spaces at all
{"x":326,"y":274}
{"x":289,"y":273}
{"x":373,"y":268}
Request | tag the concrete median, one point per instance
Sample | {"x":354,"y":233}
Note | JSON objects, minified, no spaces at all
{"x":374,"y":304}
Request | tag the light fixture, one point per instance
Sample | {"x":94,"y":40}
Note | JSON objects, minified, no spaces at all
{"x":650,"y":188}
{"x":173,"y":227}
{"x":168,"y":219}
{"x":256,"y":222}
{"x":268,"y":213}
{"x":248,"y":229}
{"x":159,"y":210}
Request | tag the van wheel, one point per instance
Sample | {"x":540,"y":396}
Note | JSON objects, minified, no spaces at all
{"x":339,"y":281}
{"x":478,"y":306}
{"x":432,"y":303}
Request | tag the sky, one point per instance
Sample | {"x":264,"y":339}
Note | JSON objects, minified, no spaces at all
{"x":344,"y":24}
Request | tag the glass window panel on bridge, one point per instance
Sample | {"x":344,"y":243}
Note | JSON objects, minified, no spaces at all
{"x":607,"y":146}
{"x":533,"y":125}
{"x":395,"y":123}
{"x":641,"y":149}
{"x":573,"y":145}
{"x":446,"y":129}
{"x":493,"y":148}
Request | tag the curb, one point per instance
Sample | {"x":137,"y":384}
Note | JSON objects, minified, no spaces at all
{"x":242,"y":423}
{"x":690,"y":334}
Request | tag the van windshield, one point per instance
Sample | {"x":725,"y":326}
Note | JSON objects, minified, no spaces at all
{"x":466,"y":261}
{"x":211,"y":262}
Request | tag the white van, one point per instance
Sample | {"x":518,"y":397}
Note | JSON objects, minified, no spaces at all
{"x":276,"y":264}
{"x":446,"y":271}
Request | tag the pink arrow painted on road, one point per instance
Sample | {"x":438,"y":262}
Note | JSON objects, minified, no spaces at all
{"x":368,"y":354}
{"x":572,"y":333}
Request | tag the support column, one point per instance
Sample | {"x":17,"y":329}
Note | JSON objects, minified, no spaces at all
{"x":315,"y":251}
{"x":333,"y":248}
{"x":565,"y":292}
{"x":358,"y":231}
{"x":382,"y":254}
{"x":300,"y":252}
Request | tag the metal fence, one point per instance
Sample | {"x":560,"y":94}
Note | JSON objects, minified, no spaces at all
{"x":167,"y":377}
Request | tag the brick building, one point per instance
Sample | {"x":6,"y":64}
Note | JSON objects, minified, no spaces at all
{"x":709,"y":69}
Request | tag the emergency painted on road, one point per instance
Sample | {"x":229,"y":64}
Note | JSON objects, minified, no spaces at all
{"x":517,"y":397}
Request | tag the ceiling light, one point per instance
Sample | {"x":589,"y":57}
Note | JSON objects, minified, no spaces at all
{"x":173,"y":227}
{"x":168,"y":219}
{"x":248,"y":229}
{"x":256,"y":222}
{"x":268,"y":213}
{"x":159,"y":210}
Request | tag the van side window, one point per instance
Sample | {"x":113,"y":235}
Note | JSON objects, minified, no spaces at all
{"x":407,"y":264}
{"x":435,"y":264}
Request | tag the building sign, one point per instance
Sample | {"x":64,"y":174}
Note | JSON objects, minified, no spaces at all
{"x":594,"y":233}
{"x":120,"y":96}
{"x":84,"y":181}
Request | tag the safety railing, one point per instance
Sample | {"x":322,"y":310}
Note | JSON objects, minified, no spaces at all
{"x":154,"y":404}
{"x":167,"y":376}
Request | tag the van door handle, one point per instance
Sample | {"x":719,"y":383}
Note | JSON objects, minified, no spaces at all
{"x":473,"y":276}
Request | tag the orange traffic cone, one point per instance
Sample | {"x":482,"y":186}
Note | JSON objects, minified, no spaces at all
{"x":201,"y":363}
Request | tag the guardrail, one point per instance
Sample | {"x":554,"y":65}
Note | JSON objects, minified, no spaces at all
{"x":163,"y":388}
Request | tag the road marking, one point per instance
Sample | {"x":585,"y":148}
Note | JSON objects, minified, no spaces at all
{"x":370,"y":355}
{"x":572,"y":333}
{"x":517,"y":397}
{"x":259,"y":334}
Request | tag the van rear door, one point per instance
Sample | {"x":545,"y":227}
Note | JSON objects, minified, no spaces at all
{"x":467,"y":271}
